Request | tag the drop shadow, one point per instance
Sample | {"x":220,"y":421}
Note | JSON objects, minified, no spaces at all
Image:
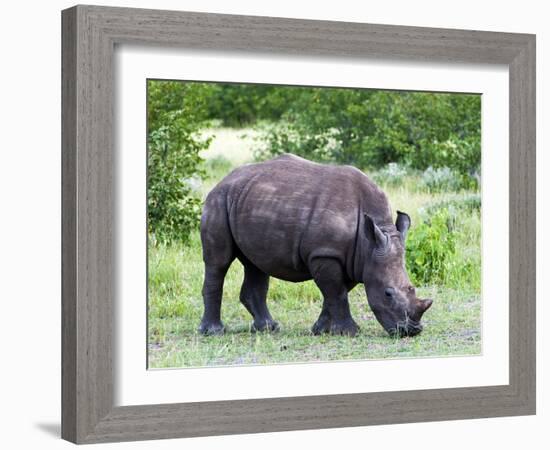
{"x":51,"y":428}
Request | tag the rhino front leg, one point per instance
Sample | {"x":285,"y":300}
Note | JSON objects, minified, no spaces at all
{"x":322,"y":325}
{"x":254,"y":297}
{"x":335,"y":316}
{"x":218,"y":251}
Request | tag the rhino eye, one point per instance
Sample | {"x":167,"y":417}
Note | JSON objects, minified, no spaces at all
{"x":389,"y":292}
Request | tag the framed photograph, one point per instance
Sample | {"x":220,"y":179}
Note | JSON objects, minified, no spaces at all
{"x":278,"y":224}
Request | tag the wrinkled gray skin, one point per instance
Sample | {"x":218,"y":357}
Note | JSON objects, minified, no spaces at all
{"x":296,"y":220}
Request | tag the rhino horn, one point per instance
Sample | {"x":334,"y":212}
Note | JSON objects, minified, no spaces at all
{"x":423,"y":305}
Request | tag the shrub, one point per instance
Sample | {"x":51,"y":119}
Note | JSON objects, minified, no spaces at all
{"x":393,"y":174}
{"x":175,"y":113}
{"x":430,"y":245}
{"x":458,"y":204}
{"x":441,"y":179}
{"x":445,"y":247}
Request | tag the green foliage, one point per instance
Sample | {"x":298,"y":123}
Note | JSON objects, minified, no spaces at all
{"x":176,"y":111}
{"x":237,"y":105}
{"x":373,"y":128}
{"x":429,"y":246}
{"x":444,"y":248}
{"x":363,"y":127}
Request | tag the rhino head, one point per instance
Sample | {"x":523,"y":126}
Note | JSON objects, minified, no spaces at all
{"x":390,"y":293}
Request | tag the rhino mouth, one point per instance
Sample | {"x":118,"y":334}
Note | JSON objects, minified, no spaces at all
{"x":407,"y":327}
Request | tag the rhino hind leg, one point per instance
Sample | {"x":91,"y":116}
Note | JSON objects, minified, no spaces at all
{"x":218,"y":253}
{"x":335,"y":316}
{"x":254,"y":297}
{"x":212,"y":291}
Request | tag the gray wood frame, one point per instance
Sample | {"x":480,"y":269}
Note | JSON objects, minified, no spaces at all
{"x":89,"y":36}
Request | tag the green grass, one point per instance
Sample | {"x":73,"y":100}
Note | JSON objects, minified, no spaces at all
{"x":452,"y":325}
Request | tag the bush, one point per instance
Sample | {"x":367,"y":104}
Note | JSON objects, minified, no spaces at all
{"x":393,"y":174}
{"x":430,"y":245}
{"x":444,"y":248}
{"x":459,"y":204}
{"x":441,"y":179}
{"x":175,"y":113}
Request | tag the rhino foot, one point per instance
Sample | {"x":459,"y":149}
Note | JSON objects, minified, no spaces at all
{"x":322,"y":326}
{"x":266,"y":325}
{"x":211,"y":328}
{"x":344,"y":328}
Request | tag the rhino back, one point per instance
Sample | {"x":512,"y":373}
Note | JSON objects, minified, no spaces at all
{"x":286,"y":211}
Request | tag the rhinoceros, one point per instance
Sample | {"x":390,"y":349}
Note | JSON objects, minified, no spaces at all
{"x":297,"y":220}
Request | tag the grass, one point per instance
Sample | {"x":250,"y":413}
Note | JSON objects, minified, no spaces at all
{"x":452,"y":325}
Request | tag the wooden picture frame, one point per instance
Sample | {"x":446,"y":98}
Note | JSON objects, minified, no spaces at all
{"x":90,"y":34}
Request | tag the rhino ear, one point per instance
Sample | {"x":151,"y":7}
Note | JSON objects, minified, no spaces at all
{"x":373,"y":233}
{"x":403,"y":223}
